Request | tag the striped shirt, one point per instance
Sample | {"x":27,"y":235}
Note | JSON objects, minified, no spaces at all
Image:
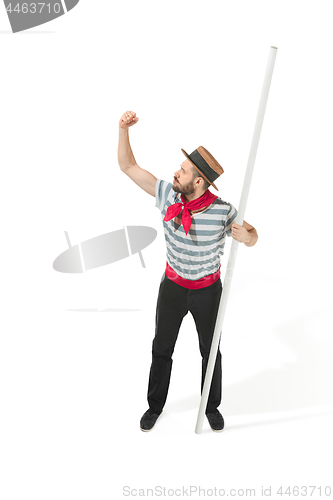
{"x":196,"y":254}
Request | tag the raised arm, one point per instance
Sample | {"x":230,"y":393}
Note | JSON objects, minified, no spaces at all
{"x":126,"y":160}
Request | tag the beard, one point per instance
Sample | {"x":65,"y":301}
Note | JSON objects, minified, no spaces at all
{"x":183,"y":189}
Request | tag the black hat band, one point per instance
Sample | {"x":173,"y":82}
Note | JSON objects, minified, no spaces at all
{"x":203,"y":166}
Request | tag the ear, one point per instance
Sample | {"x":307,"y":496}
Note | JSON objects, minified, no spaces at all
{"x":199,"y":181}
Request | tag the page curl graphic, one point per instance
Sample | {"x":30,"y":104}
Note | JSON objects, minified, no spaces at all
{"x":26,"y":14}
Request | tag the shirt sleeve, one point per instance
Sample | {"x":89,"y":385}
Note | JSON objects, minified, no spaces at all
{"x":232,"y":214}
{"x":162,"y":189}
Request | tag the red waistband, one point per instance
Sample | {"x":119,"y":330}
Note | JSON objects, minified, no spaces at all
{"x":193,"y":284}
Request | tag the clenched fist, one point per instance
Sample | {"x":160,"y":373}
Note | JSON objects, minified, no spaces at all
{"x":128,"y":119}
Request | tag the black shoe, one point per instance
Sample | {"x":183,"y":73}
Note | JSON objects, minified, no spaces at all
{"x":215,"y":421}
{"x":148,"y":420}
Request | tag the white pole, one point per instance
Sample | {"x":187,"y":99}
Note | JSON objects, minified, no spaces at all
{"x":234,"y":244}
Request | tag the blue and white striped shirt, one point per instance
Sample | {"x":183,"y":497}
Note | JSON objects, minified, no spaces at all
{"x":196,"y":254}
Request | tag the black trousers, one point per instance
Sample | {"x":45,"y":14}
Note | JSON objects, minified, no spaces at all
{"x":173,"y":303}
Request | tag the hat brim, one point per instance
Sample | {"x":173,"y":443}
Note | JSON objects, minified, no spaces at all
{"x":201,"y":174}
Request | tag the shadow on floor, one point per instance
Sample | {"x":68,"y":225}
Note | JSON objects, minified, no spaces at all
{"x":304,"y":385}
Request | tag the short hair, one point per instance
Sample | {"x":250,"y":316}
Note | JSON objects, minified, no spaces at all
{"x":196,"y":174}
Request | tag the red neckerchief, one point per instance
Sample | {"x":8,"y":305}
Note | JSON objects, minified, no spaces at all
{"x":203,"y":201}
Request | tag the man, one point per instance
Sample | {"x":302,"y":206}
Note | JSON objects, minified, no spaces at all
{"x":195,"y":224}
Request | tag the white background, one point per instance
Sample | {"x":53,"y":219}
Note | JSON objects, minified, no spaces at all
{"x":73,"y":382}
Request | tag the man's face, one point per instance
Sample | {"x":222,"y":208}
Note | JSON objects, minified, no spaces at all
{"x":183,"y":179}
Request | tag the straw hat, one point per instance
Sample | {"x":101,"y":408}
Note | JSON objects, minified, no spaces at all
{"x":205,"y":164}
